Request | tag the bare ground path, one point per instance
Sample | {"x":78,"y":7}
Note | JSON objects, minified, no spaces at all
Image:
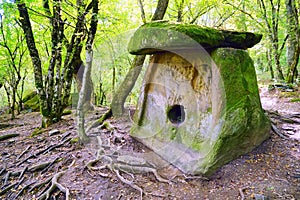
{"x":32,"y":165}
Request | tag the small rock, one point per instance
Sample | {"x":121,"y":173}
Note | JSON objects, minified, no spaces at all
{"x":260,"y":197}
{"x":54,"y":132}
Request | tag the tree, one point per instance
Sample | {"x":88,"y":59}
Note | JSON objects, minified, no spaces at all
{"x":14,"y":53}
{"x":293,"y":46}
{"x":117,"y":105}
{"x":188,"y":11}
{"x":87,"y":73}
{"x":54,"y":88}
{"x":272,"y":23}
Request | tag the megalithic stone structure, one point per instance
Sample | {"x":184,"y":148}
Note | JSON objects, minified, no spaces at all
{"x":199,"y":106}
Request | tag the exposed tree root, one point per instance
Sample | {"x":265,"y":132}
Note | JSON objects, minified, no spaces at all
{"x":130,"y":183}
{"x":23,"y":172}
{"x":23,"y":189}
{"x":41,"y":166}
{"x":241,"y":191}
{"x":55,"y":184}
{"x":8,"y":136}
{"x":6,"y":178}
{"x":278,"y":179}
{"x":6,"y":189}
{"x":39,"y":185}
{"x":19,"y":182}
{"x":191,"y":177}
{"x":139,"y":169}
{"x":284,"y":118}
{"x":276,"y":130}
{"x":49,"y":148}
{"x":25,"y":151}
{"x":100,"y":121}
{"x":2,"y":170}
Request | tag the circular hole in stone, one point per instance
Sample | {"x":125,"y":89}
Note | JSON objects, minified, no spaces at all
{"x":176,"y":114}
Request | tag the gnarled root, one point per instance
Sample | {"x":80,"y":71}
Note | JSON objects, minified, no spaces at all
{"x":55,"y":184}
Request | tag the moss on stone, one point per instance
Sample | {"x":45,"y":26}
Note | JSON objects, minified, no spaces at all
{"x":245,"y":125}
{"x":231,"y":125}
{"x":165,"y":36}
{"x":236,"y":69}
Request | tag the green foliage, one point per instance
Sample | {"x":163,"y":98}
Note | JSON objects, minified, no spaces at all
{"x":117,"y":21}
{"x":295,"y":100}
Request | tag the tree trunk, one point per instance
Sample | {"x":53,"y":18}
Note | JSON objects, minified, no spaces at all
{"x":82,"y":96}
{"x":269,"y":59}
{"x":13,"y":103}
{"x":26,"y":26}
{"x":272,"y":29}
{"x":292,"y":48}
{"x":125,"y":88}
{"x":117,"y":105}
{"x":9,"y":101}
{"x":78,"y":75}
{"x":54,"y":93}
{"x":84,"y":91}
{"x":161,"y":9}
{"x":179,"y":10}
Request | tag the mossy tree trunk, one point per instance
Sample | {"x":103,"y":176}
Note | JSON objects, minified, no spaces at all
{"x":293,"y":47}
{"x":54,"y":90}
{"x":117,"y":105}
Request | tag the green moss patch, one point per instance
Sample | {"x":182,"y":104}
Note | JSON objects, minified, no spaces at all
{"x":165,"y":36}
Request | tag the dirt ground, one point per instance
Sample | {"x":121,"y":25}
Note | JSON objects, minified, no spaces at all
{"x":32,"y":163}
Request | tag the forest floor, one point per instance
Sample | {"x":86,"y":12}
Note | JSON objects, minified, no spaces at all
{"x":40,"y":163}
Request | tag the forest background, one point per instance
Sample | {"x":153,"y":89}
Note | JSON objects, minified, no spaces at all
{"x":51,"y":57}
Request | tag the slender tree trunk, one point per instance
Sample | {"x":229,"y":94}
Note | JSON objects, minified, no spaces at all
{"x":78,"y":75}
{"x":9,"y":101}
{"x":143,"y":16}
{"x":269,"y":59}
{"x":82,"y":95}
{"x":20,"y":94}
{"x":273,"y":33}
{"x":87,"y":74}
{"x":179,"y":6}
{"x":117,"y":105}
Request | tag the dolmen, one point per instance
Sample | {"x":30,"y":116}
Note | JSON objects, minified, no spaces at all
{"x":199,"y":105}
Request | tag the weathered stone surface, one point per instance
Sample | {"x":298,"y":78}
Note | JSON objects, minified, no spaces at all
{"x":198,"y":113}
{"x":160,"y":36}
